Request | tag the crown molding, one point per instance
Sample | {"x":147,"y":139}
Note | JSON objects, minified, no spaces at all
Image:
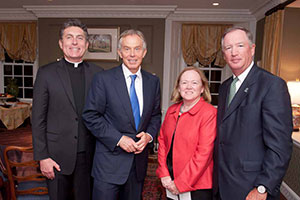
{"x":16,"y":14}
{"x":33,"y":12}
{"x":211,"y":15}
{"x":101,"y":11}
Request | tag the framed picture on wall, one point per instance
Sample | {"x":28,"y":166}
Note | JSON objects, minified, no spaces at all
{"x":102,"y":44}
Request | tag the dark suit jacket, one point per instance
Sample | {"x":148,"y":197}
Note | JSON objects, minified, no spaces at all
{"x":253,"y":144}
{"x":108,"y":115}
{"x":54,"y":117}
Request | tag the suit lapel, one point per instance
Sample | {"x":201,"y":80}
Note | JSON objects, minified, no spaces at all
{"x":63,"y":74}
{"x":241,"y":94}
{"x":121,"y":88}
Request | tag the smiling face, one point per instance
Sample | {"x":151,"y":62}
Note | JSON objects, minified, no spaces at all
{"x":190,"y":86}
{"x":132,"y":52}
{"x":237,"y":51}
{"x":73,"y":44}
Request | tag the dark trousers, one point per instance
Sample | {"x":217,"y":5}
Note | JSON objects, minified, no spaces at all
{"x":201,"y":195}
{"x":131,"y":190}
{"x":76,"y":186}
{"x":269,"y":197}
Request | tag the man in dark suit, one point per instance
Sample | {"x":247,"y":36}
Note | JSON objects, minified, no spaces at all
{"x":61,"y":142}
{"x":123,"y":112}
{"x":253,"y":144}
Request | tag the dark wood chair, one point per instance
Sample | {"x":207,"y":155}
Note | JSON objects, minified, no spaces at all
{"x":25,"y":181}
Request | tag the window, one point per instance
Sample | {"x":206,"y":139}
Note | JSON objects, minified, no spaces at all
{"x":23,"y":72}
{"x":213,"y":74}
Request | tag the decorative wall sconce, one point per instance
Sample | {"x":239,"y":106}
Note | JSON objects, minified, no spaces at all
{"x":294,"y":90}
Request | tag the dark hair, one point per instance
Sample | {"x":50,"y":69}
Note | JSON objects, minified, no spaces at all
{"x":248,"y":33}
{"x":73,"y":22}
{"x":132,"y":32}
{"x":176,"y":97}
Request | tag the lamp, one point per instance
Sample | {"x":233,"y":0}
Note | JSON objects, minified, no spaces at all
{"x":294,"y":90}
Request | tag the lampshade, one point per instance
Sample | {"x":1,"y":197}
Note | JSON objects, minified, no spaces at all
{"x":294,"y":90}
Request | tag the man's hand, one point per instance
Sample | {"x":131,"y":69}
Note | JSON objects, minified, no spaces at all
{"x":144,"y":140}
{"x":166,"y":181}
{"x":255,"y":195}
{"x":46,"y":167}
{"x":128,"y":144}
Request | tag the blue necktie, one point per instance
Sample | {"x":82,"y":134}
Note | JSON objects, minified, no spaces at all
{"x":134,"y":102}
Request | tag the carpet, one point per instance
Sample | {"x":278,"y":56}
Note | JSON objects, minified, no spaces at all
{"x":153,"y":190}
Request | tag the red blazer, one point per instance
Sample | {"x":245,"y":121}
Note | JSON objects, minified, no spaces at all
{"x":192,"y":148}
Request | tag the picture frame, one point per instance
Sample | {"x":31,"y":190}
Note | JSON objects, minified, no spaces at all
{"x":103,"y":44}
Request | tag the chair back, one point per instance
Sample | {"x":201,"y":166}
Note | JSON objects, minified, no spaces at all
{"x":4,"y":185}
{"x":2,"y":167}
{"x":22,"y":172}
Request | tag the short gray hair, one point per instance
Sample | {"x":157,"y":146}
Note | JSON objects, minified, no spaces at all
{"x":132,"y":32}
{"x":248,"y":33}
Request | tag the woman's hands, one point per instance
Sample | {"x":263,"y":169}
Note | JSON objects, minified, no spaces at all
{"x":169,"y":185}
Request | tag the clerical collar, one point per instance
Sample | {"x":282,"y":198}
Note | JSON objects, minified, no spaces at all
{"x":74,"y":63}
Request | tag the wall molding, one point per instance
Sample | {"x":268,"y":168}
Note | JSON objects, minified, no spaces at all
{"x":288,"y":193}
{"x":211,"y":15}
{"x":16,"y":14}
{"x":33,"y":12}
{"x":101,"y":11}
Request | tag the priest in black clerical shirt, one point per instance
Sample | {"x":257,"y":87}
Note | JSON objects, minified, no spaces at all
{"x":62,"y":144}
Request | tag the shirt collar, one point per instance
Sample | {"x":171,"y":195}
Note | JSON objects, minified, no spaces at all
{"x":127,"y":72}
{"x":243,"y":75}
{"x":74,"y":63}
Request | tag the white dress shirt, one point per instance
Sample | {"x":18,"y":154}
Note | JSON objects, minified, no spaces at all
{"x":242,"y":77}
{"x":138,"y":83}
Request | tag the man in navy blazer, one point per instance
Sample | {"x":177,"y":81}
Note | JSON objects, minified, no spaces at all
{"x":253,"y":144}
{"x":120,"y":160}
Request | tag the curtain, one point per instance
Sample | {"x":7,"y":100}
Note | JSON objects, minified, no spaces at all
{"x":272,"y":42}
{"x":19,"y":40}
{"x":202,"y":43}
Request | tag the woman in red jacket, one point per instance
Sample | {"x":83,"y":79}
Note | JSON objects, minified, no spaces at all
{"x":186,"y":139}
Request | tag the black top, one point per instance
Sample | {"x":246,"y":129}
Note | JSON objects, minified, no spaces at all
{"x":78,"y":87}
{"x":170,"y":153}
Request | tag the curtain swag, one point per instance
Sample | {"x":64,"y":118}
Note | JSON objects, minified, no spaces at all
{"x":202,"y":43}
{"x":19,"y":40}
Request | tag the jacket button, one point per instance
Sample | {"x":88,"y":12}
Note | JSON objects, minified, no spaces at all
{"x":76,"y":119}
{"x":75,"y":137}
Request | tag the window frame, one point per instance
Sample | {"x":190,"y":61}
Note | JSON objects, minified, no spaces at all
{"x":14,"y":63}
{"x":210,"y":68}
